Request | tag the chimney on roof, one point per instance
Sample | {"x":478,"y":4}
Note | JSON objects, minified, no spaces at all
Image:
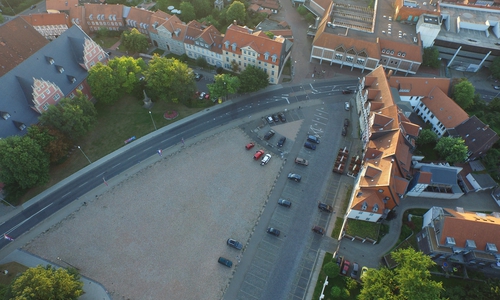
{"x":389,"y":74}
{"x":486,"y":127}
{"x":234,"y":22}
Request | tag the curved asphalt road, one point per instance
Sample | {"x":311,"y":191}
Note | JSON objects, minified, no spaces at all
{"x":144,"y":148}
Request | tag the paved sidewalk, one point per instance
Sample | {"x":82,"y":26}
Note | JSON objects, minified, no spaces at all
{"x":92,"y":290}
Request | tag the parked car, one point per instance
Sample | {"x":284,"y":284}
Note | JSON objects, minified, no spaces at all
{"x":325,"y":207}
{"x":496,"y":87}
{"x":294,"y":177}
{"x":344,"y":131}
{"x":355,"y":270}
{"x":345,"y":267}
{"x":347,"y":106}
{"x":301,"y":161}
{"x":319,"y":230}
{"x":363,"y":272}
{"x":269,"y":119}
{"x":234,"y":243}
{"x":198,"y":76}
{"x":313,"y":139}
{"x":250,"y":145}
{"x":269,"y":134}
{"x":265,"y":159}
{"x":202,"y":95}
{"x":284,"y":202}
{"x":226,"y":262}
{"x":340,"y":260}
{"x":346,"y":122}
{"x":275,"y":118}
{"x":258,"y":154}
{"x":282,"y":117}
{"x":347,"y":92}
{"x":282,"y":141}
{"x":310,"y":146}
{"x":273,"y":231}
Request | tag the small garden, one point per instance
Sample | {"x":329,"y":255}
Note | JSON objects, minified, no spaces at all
{"x":339,"y":287}
{"x":340,"y":220}
{"x":363,"y":229}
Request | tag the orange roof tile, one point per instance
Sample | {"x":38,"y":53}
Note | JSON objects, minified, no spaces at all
{"x":368,"y":196}
{"x":139,"y":15}
{"x":449,"y":113}
{"x":383,"y":178}
{"x":47,"y":19}
{"x":413,"y":52}
{"x":386,"y":143}
{"x":418,"y":86}
{"x":469,"y":226}
{"x":104,"y":9}
{"x":18,"y":41}
{"x":258,"y":41}
{"x":425,"y":177}
{"x":60,"y":4}
{"x":332,"y":41}
{"x":77,"y":16}
{"x":411,"y":128}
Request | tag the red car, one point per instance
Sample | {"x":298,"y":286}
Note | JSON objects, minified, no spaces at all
{"x":258,"y":154}
{"x":345,"y":267}
{"x":249,"y":146}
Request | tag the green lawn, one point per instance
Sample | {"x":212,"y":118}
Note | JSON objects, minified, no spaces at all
{"x":338,"y":225}
{"x":362,"y":229}
{"x":106,"y":42}
{"x":116,"y":123}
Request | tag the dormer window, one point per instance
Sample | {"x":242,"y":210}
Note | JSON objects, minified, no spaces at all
{"x":375,"y":208}
{"x":226,"y":43}
{"x":233,"y":46}
{"x":91,"y":17}
{"x":364,"y":206}
{"x":72,"y":79}
{"x":274,"y":57}
{"x":266,"y":55}
{"x":4,"y":115}
{"x":60,"y":69}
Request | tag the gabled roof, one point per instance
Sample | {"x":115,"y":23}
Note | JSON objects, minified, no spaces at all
{"x":332,"y":41}
{"x":412,"y":52}
{"x":47,"y":19}
{"x":258,"y":41}
{"x":368,"y":197}
{"x":158,"y":18}
{"x":480,"y":228}
{"x":60,"y":4}
{"x":104,"y":12}
{"x":447,"y":111}
{"x":138,"y":16}
{"x":18,"y":41}
{"x":476,"y":134}
{"x":418,"y":86}
{"x":411,"y":128}
{"x":424,"y":177}
{"x":17,"y":85}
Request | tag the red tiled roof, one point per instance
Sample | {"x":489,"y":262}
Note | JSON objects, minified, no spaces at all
{"x":60,"y":4}
{"x":412,"y":52}
{"x":425,"y":177}
{"x":332,"y":41}
{"x":18,"y":41}
{"x":449,"y":113}
{"x":470,"y":226}
{"x":47,"y":19}
{"x":411,"y":128}
{"x":418,"y":86}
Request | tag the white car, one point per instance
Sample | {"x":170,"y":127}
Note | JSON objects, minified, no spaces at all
{"x":202,"y":95}
{"x":347,"y":106}
{"x":265,"y":159}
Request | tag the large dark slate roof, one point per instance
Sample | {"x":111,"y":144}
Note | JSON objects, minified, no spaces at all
{"x":16,"y":86}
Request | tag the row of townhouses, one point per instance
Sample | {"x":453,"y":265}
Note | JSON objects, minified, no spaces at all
{"x":236,"y":49}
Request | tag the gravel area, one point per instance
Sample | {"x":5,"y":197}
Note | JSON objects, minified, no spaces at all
{"x":159,"y":233}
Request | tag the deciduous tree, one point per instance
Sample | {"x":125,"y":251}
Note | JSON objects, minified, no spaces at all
{"x":52,"y":141}
{"x":453,"y":150}
{"x":187,"y":12}
{"x":236,"y":11}
{"x":23,"y":163}
{"x":134,"y":41}
{"x":169,"y":79}
{"x":463,"y":93}
{"x":104,"y":84}
{"x":73,"y":117}
{"x":253,"y":79}
{"x":426,"y":136}
{"x":331,"y":269}
{"x":46,"y":283}
{"x":202,"y":8}
{"x":126,"y":71}
{"x":409,"y":280}
{"x":223,"y":85}
{"x":495,"y":68}
{"x":430,"y":58}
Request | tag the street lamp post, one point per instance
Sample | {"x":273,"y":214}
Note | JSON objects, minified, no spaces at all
{"x":154,"y":124}
{"x":84,"y":154}
{"x":225,"y":91}
{"x":58,"y":258}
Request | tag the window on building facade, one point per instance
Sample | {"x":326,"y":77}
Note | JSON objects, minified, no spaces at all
{"x":338,"y":56}
{"x":42,"y":95}
{"x":349,"y":58}
{"x":47,"y":92}
{"x":71,"y":96}
{"x":45,"y":106}
{"x":360,"y":61}
{"x":56,"y":97}
{"x":80,"y":87}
